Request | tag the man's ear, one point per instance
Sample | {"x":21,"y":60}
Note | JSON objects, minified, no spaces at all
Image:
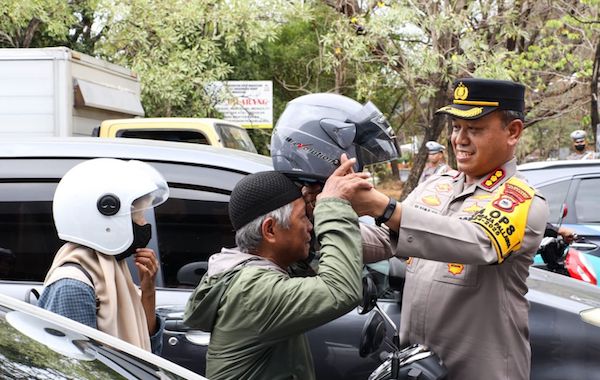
{"x":267,"y":229}
{"x":515,"y":129}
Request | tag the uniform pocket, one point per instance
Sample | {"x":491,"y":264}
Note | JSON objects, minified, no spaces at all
{"x":457,"y":274}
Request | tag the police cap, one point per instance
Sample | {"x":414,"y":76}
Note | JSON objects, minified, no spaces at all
{"x":475,"y":98}
{"x":434,"y":147}
{"x":578,"y":135}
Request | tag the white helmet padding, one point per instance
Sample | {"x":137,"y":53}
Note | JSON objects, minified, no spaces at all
{"x":93,"y":202}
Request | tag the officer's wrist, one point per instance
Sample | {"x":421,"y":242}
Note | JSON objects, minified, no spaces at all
{"x":389,"y":209}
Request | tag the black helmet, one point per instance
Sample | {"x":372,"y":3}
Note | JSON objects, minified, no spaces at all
{"x":314,"y":130}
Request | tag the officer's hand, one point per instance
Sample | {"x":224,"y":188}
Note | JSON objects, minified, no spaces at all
{"x":567,"y":234}
{"x":344,"y":183}
{"x":147,"y":265}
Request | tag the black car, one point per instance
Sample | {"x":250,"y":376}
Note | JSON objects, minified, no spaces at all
{"x":194,"y":223}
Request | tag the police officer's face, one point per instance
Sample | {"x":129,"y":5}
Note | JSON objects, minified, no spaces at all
{"x":484,"y":144}
{"x":434,"y":158}
{"x":579,"y":145}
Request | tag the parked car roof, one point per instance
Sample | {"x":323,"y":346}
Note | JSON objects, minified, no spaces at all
{"x":549,"y":171}
{"x":148,"y":150}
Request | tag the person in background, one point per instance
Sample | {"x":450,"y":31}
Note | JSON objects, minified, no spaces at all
{"x":580,"y":151}
{"x":436,"y":162}
{"x":98,"y":210}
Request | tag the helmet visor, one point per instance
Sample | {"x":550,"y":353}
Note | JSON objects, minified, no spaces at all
{"x":375,"y":139}
{"x":150,"y":200}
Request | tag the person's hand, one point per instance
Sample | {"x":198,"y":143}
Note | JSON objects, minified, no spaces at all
{"x":344,"y":183}
{"x":147,"y":265}
{"x":309,"y":193}
{"x":567,"y":234}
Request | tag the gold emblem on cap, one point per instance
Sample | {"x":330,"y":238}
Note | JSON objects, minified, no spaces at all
{"x":461,"y":92}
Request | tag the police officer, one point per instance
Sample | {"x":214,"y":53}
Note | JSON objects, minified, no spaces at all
{"x":470,"y":237}
{"x":436,"y":163}
{"x":579,"y":146}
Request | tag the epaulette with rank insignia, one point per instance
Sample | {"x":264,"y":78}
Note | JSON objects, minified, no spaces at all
{"x":493,"y":179}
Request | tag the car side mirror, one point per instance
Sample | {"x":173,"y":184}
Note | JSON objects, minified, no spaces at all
{"x":191,"y":274}
{"x":369,"y":294}
{"x":397,"y":273}
{"x":372,"y":335}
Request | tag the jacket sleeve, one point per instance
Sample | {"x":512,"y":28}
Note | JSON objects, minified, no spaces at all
{"x":286,"y":306}
{"x":377,"y":242}
{"x":443,"y":238}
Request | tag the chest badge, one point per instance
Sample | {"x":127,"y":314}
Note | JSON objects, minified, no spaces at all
{"x":431,"y":200}
{"x":455,"y":269}
{"x":472,"y":209}
{"x":443,"y":187}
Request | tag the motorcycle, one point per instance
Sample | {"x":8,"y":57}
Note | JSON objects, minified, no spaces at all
{"x":559,"y":257}
{"x":415,"y":362}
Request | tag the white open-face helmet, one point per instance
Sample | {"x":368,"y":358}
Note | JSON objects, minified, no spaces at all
{"x":94,"y":200}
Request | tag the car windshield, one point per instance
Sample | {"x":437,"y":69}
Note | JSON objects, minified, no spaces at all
{"x":235,"y":137}
{"x":32,"y":347}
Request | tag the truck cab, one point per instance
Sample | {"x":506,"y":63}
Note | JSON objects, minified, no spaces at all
{"x":206,"y":131}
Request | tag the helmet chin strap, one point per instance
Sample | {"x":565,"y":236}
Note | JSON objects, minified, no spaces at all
{"x":141,"y":238}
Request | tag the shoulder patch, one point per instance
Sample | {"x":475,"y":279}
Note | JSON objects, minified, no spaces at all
{"x":504,"y":219}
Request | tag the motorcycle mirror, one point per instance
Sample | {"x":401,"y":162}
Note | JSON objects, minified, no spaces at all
{"x":372,"y":334}
{"x":369,"y":296}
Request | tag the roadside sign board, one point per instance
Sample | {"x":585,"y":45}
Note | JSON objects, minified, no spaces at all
{"x":249,"y":103}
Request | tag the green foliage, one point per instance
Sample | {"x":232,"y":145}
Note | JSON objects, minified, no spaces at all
{"x":177,"y":47}
{"x":29,"y":23}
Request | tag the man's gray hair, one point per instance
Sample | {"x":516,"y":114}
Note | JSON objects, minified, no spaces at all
{"x":249,"y":236}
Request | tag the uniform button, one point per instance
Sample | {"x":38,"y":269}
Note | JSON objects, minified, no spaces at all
{"x":409,"y":239}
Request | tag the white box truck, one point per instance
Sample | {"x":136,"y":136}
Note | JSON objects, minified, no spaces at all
{"x":59,"y":92}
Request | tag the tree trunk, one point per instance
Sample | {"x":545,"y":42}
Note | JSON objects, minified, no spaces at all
{"x":594,"y":94}
{"x":431,"y":133}
{"x":34,"y":23}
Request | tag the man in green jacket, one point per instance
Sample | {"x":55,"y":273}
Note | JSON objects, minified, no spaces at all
{"x":256,"y":313}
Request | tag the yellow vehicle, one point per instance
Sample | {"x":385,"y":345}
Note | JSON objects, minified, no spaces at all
{"x":214,"y":132}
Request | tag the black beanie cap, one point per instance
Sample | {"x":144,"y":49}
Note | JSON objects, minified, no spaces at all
{"x":258,"y":194}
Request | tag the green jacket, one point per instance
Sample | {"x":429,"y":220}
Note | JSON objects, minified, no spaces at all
{"x":257,"y":314}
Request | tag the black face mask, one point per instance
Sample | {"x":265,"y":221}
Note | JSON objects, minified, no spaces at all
{"x":141,"y":238}
{"x":580,"y":148}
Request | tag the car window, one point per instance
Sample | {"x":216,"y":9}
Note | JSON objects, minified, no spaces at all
{"x":587,"y":206}
{"x":235,"y":137}
{"x":28,"y":238}
{"x":191,"y":225}
{"x":176,"y":135}
{"x":556,"y":195}
{"x":380,"y":273}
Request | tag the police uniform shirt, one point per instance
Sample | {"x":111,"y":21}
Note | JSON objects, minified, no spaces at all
{"x":458,"y":299}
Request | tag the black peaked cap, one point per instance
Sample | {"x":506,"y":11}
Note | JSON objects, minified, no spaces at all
{"x":258,"y":194}
{"x":476,"y":97}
